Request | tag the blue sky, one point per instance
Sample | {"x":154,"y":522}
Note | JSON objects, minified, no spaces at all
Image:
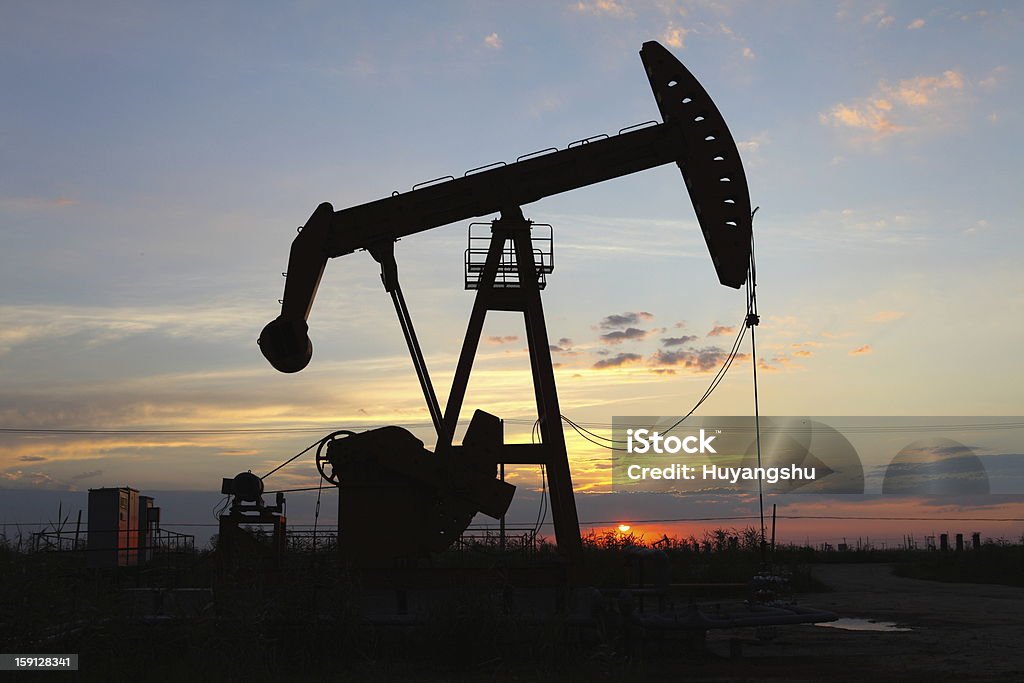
{"x":157,"y":157}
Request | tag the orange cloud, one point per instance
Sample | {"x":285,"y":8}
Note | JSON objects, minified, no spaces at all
{"x":502,"y":340}
{"x":675,"y":36}
{"x":607,"y":8}
{"x":919,"y":91}
{"x":861,"y":350}
{"x":895,"y":108}
{"x":865,"y":116}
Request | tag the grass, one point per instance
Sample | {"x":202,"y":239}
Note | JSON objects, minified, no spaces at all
{"x":300,"y":621}
{"x":992,"y":563}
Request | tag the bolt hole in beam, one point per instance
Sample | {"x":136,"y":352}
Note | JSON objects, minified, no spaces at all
{"x":690,"y":106}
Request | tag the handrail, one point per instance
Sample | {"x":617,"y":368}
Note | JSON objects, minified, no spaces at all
{"x":635,"y":126}
{"x":484,"y":168}
{"x":592,"y":138}
{"x":539,"y":152}
{"x":434,"y":181}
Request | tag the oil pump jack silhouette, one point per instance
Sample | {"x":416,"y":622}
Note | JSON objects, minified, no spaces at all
{"x":386,"y":474}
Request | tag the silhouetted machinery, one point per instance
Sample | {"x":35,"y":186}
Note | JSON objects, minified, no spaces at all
{"x":386,"y":475}
{"x":247,"y":508}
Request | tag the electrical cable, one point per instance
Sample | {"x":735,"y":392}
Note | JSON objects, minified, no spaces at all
{"x":714,"y":384}
{"x":855,"y":518}
{"x":542,"y":505}
{"x":291,"y":459}
{"x":861,"y":429}
{"x":719,"y":376}
{"x":316,"y":513}
{"x":752,"y":321}
{"x":220,"y":507}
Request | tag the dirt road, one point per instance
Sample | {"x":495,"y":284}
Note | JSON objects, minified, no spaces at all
{"x":958,"y":632}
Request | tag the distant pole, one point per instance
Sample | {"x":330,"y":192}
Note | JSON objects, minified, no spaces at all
{"x":78,"y":527}
{"x":501,"y":520}
{"x":773,"y":528}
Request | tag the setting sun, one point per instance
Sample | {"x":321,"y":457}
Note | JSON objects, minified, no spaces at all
{"x":624,"y":528}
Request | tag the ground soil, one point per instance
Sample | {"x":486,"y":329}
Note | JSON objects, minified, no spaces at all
{"x":959,"y":631}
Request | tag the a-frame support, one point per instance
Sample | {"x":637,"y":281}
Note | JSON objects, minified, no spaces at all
{"x":522,"y":294}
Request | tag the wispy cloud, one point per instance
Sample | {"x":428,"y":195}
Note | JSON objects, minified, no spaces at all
{"x":618,"y":360}
{"x":861,"y":350}
{"x":36,"y":203}
{"x":703,"y":360}
{"x":603,"y":8}
{"x":28,"y":324}
{"x":878,"y":17}
{"x":994,"y":78}
{"x":751,"y":146}
{"x":564,"y":346}
{"x":623,"y":319}
{"x":675,"y":36}
{"x":36,"y":480}
{"x":727,"y":31}
{"x":678,"y":341}
{"x":628,"y":334}
{"x":493,"y":41}
{"x":978,"y":226}
{"x":920,"y":91}
{"x":543,"y":103}
{"x":722,"y":330}
{"x":887,"y":316}
{"x":867,"y":115}
{"x":910,"y":104}
{"x":915,"y":24}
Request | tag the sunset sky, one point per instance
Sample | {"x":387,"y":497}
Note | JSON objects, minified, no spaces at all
{"x":157,"y":158}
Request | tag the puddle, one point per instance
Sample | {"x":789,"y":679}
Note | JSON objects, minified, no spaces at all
{"x":848,"y":624}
